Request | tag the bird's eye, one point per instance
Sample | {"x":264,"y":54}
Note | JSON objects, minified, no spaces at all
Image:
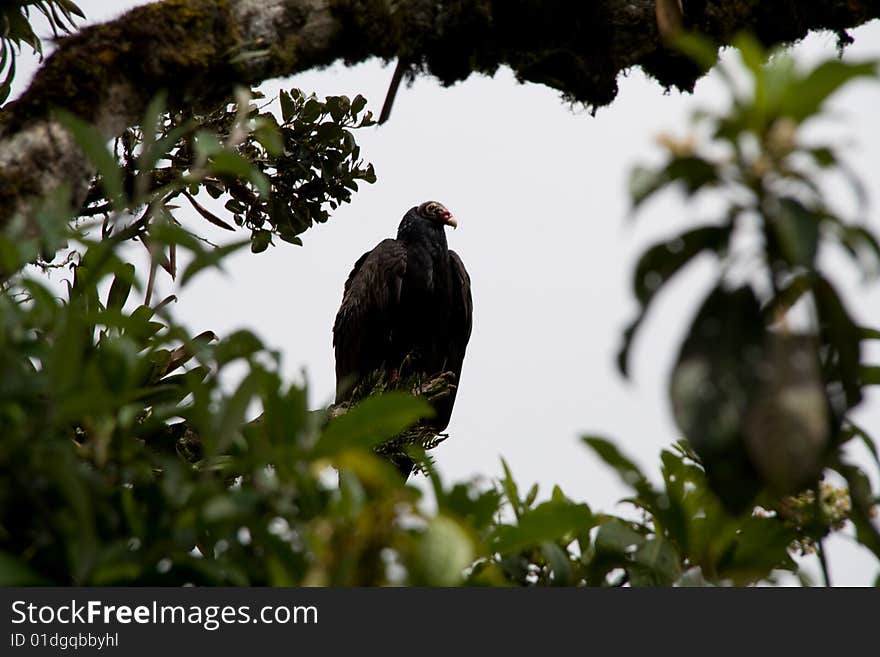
{"x":433,"y":208}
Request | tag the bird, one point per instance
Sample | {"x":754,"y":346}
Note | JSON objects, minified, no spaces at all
{"x":406,"y":310}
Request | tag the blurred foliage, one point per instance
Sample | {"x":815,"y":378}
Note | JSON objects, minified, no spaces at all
{"x":135,"y":453}
{"x":16,"y":29}
{"x":773,"y":364}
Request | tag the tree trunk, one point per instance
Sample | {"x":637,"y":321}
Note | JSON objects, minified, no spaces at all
{"x":200,"y":49}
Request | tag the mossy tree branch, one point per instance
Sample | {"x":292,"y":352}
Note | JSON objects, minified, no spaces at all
{"x":200,"y":49}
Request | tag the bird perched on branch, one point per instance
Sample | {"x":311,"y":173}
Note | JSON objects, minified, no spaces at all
{"x":406,"y":311}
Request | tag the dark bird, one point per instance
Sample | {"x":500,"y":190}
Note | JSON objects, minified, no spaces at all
{"x":406,"y":310}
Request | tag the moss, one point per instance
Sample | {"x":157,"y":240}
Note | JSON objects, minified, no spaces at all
{"x":781,"y":21}
{"x":672,"y":69}
{"x":371,"y":29}
{"x":576,"y":47}
{"x":562,"y":44}
{"x":286,"y":54}
{"x":773,"y":23}
{"x":183,"y":40}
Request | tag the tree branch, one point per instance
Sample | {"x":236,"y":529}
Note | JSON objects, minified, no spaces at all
{"x":200,"y":49}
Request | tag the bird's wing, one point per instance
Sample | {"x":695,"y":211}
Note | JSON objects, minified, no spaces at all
{"x":460,"y":322}
{"x":362,"y":330}
{"x":462,"y":305}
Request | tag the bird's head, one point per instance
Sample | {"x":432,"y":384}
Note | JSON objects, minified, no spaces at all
{"x":436,"y":212}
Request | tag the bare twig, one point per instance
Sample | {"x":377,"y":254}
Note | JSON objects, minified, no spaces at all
{"x":399,"y":72}
{"x":823,"y":563}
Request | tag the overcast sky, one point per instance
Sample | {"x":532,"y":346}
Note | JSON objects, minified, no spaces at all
{"x":539,"y":190}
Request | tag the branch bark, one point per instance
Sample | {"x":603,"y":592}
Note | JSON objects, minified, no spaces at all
{"x":200,"y":49}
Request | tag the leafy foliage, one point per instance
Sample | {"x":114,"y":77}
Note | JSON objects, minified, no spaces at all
{"x":15,"y":30}
{"x":131,"y":453}
{"x":765,"y":405}
{"x":276,"y":177}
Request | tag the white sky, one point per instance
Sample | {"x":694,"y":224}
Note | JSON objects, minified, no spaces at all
{"x":539,"y":190}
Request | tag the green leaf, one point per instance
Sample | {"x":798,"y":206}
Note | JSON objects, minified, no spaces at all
{"x":229,"y":420}
{"x":863,"y":504}
{"x":655,"y":563}
{"x":222,"y":508}
{"x":761,"y":545}
{"x":329,"y":132}
{"x":68,"y":353}
{"x":338,"y":106}
{"x":442,"y":554}
{"x":70,"y":7}
{"x":17,"y":26}
{"x":549,"y":521}
{"x":823,"y":156}
{"x":616,"y":537}
{"x":643,"y":182}
{"x":150,"y":154}
{"x":241,"y":344}
{"x":607,"y":451}
{"x":659,"y":264}
{"x":863,"y":245}
{"x":788,"y":296}
{"x":269,"y":136}
{"x":6,"y":84}
{"x":207,"y":144}
{"x":751,"y":52}
{"x":531,"y":496}
{"x":653,"y":501}
{"x":260,"y":240}
{"x":210,"y":258}
{"x":476,"y":507}
{"x":843,"y":335}
{"x":121,"y":287}
{"x":870,"y":375}
{"x":715,"y":381}
{"x":511,"y":491}
{"x":662,"y":261}
{"x":94,"y":146}
{"x":358,"y":104}
{"x":288,"y":107}
{"x":559,"y":562}
{"x":371,"y":422}
{"x":311,"y":110}
{"x":139,"y":327}
{"x":682,"y":510}
{"x":233,"y":164}
{"x":780,"y":75}
{"x":692,"y":171}
{"x":287,"y":235}
{"x":811,"y":92}
{"x":797,"y":232}
{"x":870,"y":444}
{"x":172,"y":389}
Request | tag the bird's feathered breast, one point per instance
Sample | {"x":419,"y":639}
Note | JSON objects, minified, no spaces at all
{"x":407,"y":299}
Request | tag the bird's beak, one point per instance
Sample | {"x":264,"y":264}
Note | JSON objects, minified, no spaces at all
{"x":450,"y":221}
